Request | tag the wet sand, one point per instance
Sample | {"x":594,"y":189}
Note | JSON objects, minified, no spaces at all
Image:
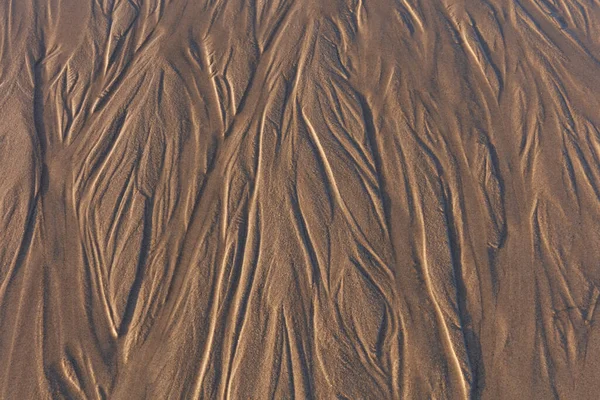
{"x":278,"y":199}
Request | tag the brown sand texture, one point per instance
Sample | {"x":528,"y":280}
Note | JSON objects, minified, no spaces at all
{"x":299,"y":199}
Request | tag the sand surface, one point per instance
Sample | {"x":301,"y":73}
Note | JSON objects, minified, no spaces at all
{"x":299,"y":199}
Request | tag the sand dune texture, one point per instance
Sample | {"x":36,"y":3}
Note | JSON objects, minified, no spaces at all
{"x":277,"y":199}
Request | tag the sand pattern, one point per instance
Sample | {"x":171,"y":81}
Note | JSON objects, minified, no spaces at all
{"x":278,"y":199}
